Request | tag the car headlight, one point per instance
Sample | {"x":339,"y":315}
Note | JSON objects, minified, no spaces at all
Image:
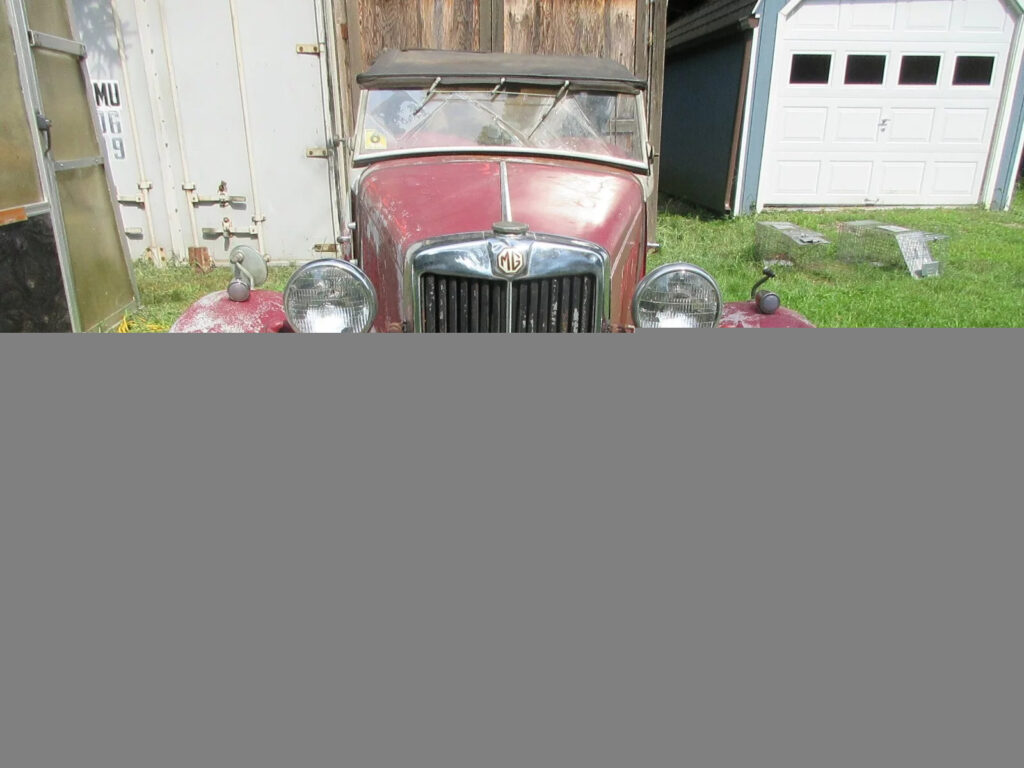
{"x":330,"y":296}
{"x":677,"y":296}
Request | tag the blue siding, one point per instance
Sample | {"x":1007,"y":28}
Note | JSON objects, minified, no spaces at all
{"x":701,"y":90}
{"x":764,"y":56}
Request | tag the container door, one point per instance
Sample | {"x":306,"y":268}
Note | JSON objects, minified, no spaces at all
{"x":240,"y":91}
{"x":87,"y":223}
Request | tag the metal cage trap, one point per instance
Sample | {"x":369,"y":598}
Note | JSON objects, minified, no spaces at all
{"x":888,"y":245}
{"x":780,"y":243}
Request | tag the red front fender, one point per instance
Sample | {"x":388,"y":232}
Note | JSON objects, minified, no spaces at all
{"x":744,"y":314}
{"x":216,"y":313}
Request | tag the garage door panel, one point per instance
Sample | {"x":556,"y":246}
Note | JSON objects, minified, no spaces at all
{"x":929,"y":15}
{"x":802,"y":124}
{"x":858,"y":124}
{"x":902,"y":177}
{"x":965,"y":126}
{"x":817,"y":15}
{"x":911,"y":126}
{"x":798,"y":176}
{"x":872,"y":16}
{"x":850,"y":178}
{"x":985,"y":16}
{"x":955,"y":178}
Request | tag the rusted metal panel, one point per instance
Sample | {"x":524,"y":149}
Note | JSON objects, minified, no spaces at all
{"x":599,"y":205}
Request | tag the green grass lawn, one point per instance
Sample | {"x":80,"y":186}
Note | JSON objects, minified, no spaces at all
{"x":168,"y":292}
{"x":982,"y":280}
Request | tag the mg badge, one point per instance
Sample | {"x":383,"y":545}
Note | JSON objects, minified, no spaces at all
{"x":511,"y":261}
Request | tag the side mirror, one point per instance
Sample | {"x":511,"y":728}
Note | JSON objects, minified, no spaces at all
{"x":767,"y":301}
{"x":250,"y":271}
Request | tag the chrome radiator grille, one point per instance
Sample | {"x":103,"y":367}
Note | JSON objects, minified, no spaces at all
{"x":562,"y":304}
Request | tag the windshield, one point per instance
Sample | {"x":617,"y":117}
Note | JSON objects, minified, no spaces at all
{"x":599,"y":125}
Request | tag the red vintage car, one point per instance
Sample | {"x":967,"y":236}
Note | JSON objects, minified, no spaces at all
{"x":491,"y":193}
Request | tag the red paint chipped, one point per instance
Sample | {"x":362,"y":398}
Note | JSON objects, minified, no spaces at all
{"x":216,"y":313}
{"x":744,"y":314}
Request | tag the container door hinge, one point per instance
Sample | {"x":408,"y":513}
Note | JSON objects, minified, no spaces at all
{"x":318,"y":152}
{"x":325,"y":248}
{"x":309,"y":49}
{"x":227,"y":231}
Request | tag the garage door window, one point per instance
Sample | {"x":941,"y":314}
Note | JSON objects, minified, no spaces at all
{"x":810,"y":68}
{"x":973,"y":70}
{"x":864,"y":69}
{"x":919,"y":70}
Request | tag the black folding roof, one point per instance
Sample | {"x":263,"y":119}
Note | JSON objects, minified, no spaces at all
{"x":406,"y":69}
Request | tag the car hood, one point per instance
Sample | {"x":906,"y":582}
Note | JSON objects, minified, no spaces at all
{"x":411,"y":200}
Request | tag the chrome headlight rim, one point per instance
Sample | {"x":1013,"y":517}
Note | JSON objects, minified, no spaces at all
{"x":352,"y":271}
{"x":679,"y":266}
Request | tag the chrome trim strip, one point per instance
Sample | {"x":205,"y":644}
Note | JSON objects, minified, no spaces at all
{"x":506,"y":198}
{"x":471,"y":255}
{"x":54,"y":43}
{"x":630,"y":165}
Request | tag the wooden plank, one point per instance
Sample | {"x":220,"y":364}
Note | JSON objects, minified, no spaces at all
{"x":603,"y":28}
{"x":518,"y":25}
{"x":491,"y":25}
{"x":438,"y":24}
{"x":344,"y":76}
{"x":464,"y":26}
{"x":355,"y":59}
{"x":622,"y":40}
{"x":641,"y":64}
{"x":655,"y":94}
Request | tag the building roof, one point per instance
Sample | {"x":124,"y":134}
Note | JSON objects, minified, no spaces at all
{"x":709,"y":19}
{"x":395,"y":68}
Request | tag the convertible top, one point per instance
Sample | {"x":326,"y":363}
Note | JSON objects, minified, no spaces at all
{"x":406,"y":69}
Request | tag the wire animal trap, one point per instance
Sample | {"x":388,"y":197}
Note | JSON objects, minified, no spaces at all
{"x":888,"y":245}
{"x":780,"y":243}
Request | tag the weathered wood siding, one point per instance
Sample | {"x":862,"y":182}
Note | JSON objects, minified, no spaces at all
{"x":605,"y":28}
{"x":444,"y":24}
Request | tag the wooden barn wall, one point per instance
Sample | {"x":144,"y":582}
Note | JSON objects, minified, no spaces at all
{"x":444,"y":24}
{"x":605,"y":28}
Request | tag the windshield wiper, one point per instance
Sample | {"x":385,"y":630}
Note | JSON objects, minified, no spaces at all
{"x":561,"y":92}
{"x":428,"y":97}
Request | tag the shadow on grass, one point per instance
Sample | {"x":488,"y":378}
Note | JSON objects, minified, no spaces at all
{"x":677,"y":207}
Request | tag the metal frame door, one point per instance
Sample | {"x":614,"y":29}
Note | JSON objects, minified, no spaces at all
{"x":92,"y":247}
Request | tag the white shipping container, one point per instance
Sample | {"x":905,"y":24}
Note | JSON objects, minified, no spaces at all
{"x":218,"y":124}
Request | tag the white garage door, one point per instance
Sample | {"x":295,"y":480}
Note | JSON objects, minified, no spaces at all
{"x":888,"y":103}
